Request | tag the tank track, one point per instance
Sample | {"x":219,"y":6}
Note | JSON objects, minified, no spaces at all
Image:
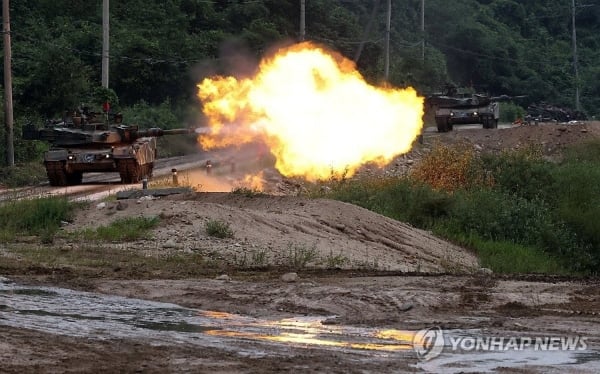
{"x":58,"y":175}
{"x":132,"y":172}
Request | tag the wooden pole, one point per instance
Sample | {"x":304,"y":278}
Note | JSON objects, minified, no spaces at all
{"x":8,"y":101}
{"x":388,"y":26}
{"x":302,"y":20}
{"x":575,"y":60}
{"x":105,"y":42}
{"x":423,"y":30}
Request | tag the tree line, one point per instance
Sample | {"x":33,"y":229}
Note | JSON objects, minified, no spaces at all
{"x":159,"y":50}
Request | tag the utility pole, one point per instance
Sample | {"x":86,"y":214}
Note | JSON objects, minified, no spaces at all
{"x":423,"y":30}
{"x":388,"y":25}
{"x":8,"y":102}
{"x":105,"y":37}
{"x":575,"y":62}
{"x":302,"y":20}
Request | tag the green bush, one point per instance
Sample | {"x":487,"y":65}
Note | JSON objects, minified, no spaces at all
{"x":398,"y":198}
{"x":509,"y":112}
{"x":41,"y":217}
{"x":523,"y":173}
{"x":218,"y":229}
{"x":123,"y":229}
{"x":532,"y":211}
{"x":494,"y":215}
{"x":507,"y":257}
{"x":23,"y":174}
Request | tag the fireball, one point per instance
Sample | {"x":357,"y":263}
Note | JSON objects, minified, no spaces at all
{"x":314,"y":111}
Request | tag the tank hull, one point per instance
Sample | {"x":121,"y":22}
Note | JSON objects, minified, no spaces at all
{"x":65,"y":166}
{"x":488,"y":115}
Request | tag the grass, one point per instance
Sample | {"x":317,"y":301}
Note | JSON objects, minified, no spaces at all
{"x":335,"y":261}
{"x":507,"y":257}
{"x":520,"y":212}
{"x":122,"y":229}
{"x":23,"y":175}
{"x":248,"y":192}
{"x":252,"y":259}
{"x":299,"y":255}
{"x":41,"y":217}
{"x":218,"y":229}
{"x":94,"y":261}
{"x":510,"y":258}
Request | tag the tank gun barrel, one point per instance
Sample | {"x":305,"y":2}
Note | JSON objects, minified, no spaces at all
{"x":156,"y":132}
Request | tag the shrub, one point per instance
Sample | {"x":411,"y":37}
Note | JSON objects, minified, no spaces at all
{"x":123,"y":229}
{"x":41,"y":217}
{"x":509,"y":112}
{"x":494,"y":215}
{"x":396,"y":197}
{"x":218,"y":229}
{"x":450,"y":168}
{"x":506,"y":257}
{"x":23,"y":175}
{"x":523,"y":173}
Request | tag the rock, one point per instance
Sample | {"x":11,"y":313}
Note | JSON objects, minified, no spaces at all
{"x":478,"y":147}
{"x":101,"y":205}
{"x":485,"y":271}
{"x":223,"y":277}
{"x":145,"y":198}
{"x":170,"y":243}
{"x":406,"y":307}
{"x":289,"y":277}
{"x":121,"y":205}
{"x":165,"y":215}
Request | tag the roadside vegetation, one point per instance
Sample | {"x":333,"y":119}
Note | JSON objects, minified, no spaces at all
{"x":122,"y":229}
{"x":218,"y":229}
{"x":90,"y":260}
{"x":519,"y":212}
{"x":41,"y":217}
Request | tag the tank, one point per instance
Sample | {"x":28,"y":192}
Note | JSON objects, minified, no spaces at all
{"x":462,"y":106}
{"x":84,"y":141}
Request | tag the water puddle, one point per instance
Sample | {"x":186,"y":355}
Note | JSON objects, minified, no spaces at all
{"x":96,"y":316}
{"x":83,"y":314}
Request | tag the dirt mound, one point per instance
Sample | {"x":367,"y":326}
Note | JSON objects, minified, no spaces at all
{"x":286,"y":231}
{"x":553,"y":138}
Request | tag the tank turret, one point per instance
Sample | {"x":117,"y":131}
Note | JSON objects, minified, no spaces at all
{"x":81,"y":143}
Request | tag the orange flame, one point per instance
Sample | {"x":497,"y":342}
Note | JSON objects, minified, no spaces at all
{"x":254,"y":182}
{"x":315,"y":112}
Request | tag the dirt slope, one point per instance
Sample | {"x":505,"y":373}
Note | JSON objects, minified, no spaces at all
{"x":285,"y":230}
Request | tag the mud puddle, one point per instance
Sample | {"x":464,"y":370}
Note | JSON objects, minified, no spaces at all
{"x":104,"y":317}
{"x":83,"y":314}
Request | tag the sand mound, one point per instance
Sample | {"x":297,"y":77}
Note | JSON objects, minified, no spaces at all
{"x":287,"y":231}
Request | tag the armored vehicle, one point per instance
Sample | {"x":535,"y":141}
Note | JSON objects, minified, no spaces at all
{"x":84,"y":141}
{"x":460,"y":106}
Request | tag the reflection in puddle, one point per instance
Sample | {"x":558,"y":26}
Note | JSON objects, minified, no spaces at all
{"x":83,"y":314}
